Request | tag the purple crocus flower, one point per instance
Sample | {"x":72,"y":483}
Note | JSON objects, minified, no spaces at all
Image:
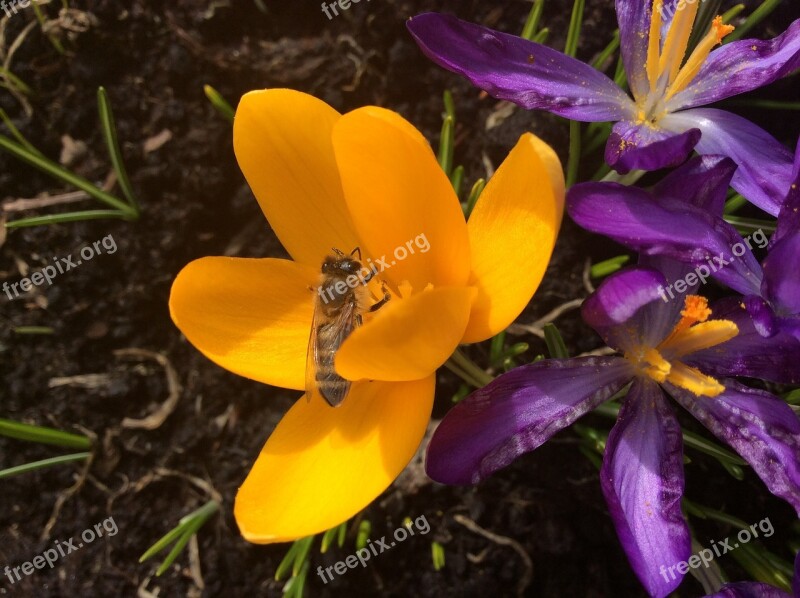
{"x":681,"y":218}
{"x":661,"y":124}
{"x":664,"y":349}
{"x":750,"y":589}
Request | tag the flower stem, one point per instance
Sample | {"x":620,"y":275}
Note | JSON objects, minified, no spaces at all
{"x":468,"y":370}
{"x":625,"y":179}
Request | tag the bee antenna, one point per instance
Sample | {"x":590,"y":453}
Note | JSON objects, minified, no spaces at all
{"x":337,"y":251}
{"x":358,"y":251}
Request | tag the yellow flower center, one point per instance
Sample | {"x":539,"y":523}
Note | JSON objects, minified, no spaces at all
{"x":692,"y":333}
{"x":664,"y":71}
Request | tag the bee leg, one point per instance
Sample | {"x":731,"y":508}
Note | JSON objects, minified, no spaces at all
{"x":359,"y":320}
{"x":382,"y":302}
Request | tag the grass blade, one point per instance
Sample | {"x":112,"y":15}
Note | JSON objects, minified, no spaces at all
{"x":532,"y":22}
{"x":68,"y":217}
{"x":57,"y":172}
{"x":43,"y":435}
{"x":12,"y":471}
{"x":110,"y":136}
{"x":220,"y":104}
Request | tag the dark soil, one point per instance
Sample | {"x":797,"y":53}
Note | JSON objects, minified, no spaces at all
{"x":154,"y":61}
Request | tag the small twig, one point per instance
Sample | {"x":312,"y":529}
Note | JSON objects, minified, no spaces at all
{"x":527,"y":575}
{"x":159,"y":416}
{"x":537,"y":327}
{"x":22,"y":204}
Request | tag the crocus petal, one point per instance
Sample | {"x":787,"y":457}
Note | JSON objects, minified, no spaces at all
{"x":402,"y":204}
{"x":669,"y":228}
{"x":739,"y":67}
{"x":517,"y":412}
{"x":633,"y":17}
{"x":642,"y":480}
{"x":702,"y":182}
{"x":782,"y":277}
{"x":282,"y":140}
{"x":762,"y":428}
{"x":323,"y":465}
{"x":762,"y":315}
{"x":620,"y":309}
{"x":515,"y":69}
{"x":765,"y":166}
{"x":748,"y":589}
{"x":250,"y":316}
{"x":409,"y":338}
{"x":513,"y":229}
{"x":789,"y":218}
{"x":633,"y":146}
{"x":749,"y":353}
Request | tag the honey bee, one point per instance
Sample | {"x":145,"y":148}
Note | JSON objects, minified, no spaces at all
{"x":338,"y":310}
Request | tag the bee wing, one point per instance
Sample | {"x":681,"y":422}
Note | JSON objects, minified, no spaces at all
{"x":325,"y":339}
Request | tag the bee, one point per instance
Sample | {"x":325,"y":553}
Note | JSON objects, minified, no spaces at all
{"x":338,"y":310}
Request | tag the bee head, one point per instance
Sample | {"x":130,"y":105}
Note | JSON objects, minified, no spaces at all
{"x":346,"y":265}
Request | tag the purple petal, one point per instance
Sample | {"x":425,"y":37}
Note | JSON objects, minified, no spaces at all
{"x":703,"y":182}
{"x":642,"y":480}
{"x":789,"y":218}
{"x":782,"y":276}
{"x":765,"y":166}
{"x":762,"y":428}
{"x":662,"y":317}
{"x":642,"y":147}
{"x":668,"y":228}
{"x":739,"y":67}
{"x":515,"y":69}
{"x":749,"y":353}
{"x":621,"y":309}
{"x":748,"y":589}
{"x":762,"y":316}
{"x":517,"y":412}
{"x":633,"y":17}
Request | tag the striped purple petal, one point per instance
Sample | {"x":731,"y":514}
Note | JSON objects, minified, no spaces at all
{"x":789,"y":218}
{"x":749,"y":353}
{"x":739,"y":67}
{"x":764,"y":165}
{"x":633,"y":17}
{"x":762,"y":428}
{"x":633,"y":146}
{"x":517,"y":412}
{"x":642,"y":480}
{"x":667,"y":227}
{"x":782,"y":276}
{"x":520,"y":71}
{"x":622,"y":309}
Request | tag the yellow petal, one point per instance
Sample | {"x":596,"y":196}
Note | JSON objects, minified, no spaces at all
{"x":250,"y":316}
{"x":322,"y":465}
{"x":408,"y":338}
{"x":282,"y":140}
{"x":512,"y":232}
{"x":402,"y":205}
